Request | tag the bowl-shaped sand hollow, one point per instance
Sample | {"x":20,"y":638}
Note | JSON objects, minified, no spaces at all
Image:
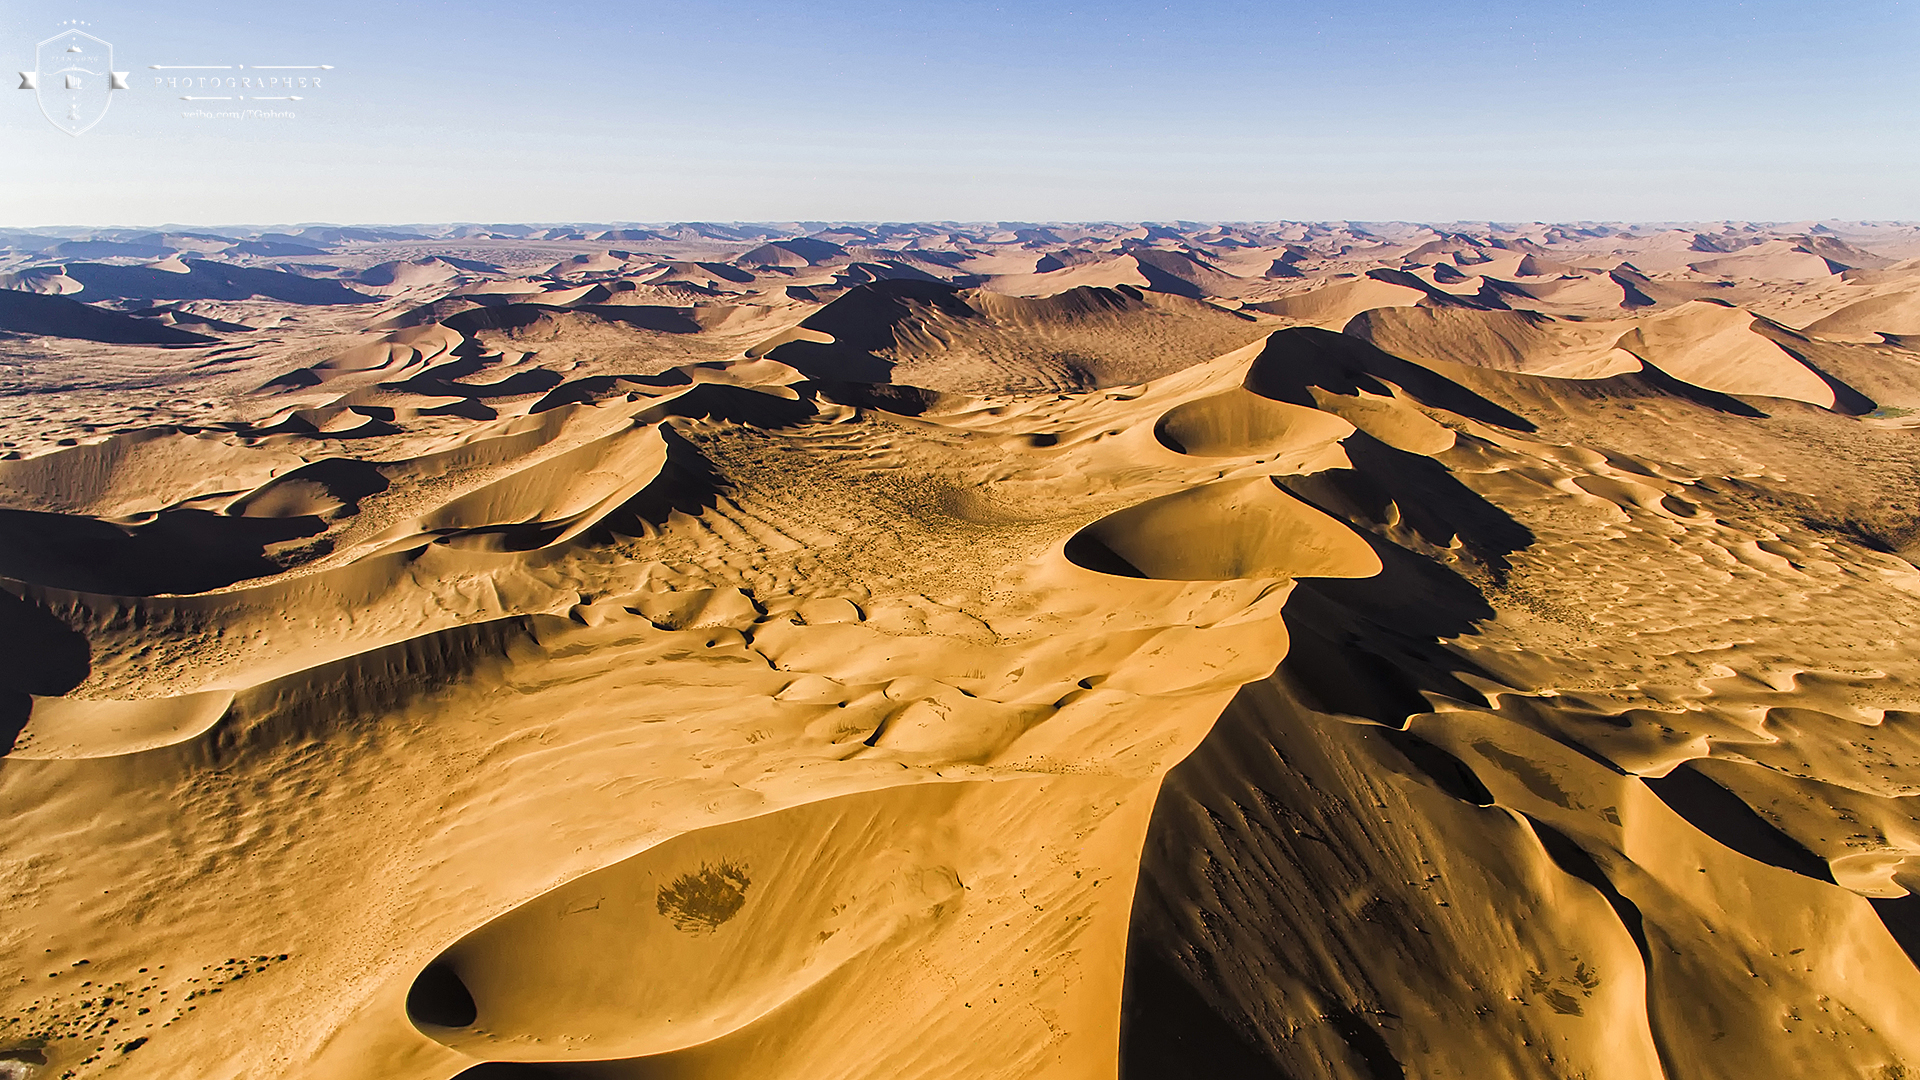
{"x":1234,"y":529}
{"x":1243,"y":424}
{"x":691,"y":939}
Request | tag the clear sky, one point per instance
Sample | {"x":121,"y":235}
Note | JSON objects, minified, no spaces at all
{"x":757,"y":110}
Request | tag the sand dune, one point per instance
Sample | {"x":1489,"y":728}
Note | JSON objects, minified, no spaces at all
{"x":1336,"y":305}
{"x":699,"y":273}
{"x":932,"y":335}
{"x":138,"y":472}
{"x":1715,"y":347}
{"x":1242,"y":529}
{"x":1064,"y":271}
{"x":1508,"y":340}
{"x":53,"y":315}
{"x":406,"y":274}
{"x":205,"y":281}
{"x":799,"y":251}
{"x":1894,"y":313}
{"x":1772,"y":261}
{"x":604,"y":652}
{"x":51,"y":280}
{"x":1238,"y":424}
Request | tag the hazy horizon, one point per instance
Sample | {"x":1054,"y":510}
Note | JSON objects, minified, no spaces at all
{"x":803,"y":226}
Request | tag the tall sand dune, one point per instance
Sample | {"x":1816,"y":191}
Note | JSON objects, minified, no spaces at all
{"x":53,"y":315}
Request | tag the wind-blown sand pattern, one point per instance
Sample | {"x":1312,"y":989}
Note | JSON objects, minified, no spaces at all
{"x":1276,"y":651}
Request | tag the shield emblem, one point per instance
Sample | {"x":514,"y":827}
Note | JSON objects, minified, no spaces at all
{"x":74,"y":80}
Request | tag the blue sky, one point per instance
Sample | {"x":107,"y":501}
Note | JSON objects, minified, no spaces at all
{"x":752,"y":110}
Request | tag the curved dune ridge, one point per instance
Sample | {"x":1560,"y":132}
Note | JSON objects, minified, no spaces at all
{"x":1715,"y":348}
{"x":1895,"y":313}
{"x":1238,"y":529}
{"x":915,"y":651}
{"x":1238,"y":423}
{"x":930,"y":334}
{"x":139,"y":471}
{"x":87,"y":728}
{"x":1334,"y":305}
{"x":768,"y":906}
{"x":1520,"y":341}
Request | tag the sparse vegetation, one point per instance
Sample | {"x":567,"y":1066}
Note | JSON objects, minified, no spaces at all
{"x":698,"y":902}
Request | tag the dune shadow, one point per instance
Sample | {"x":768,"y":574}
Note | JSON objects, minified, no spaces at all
{"x":818,"y":360}
{"x":208,"y":280}
{"x":772,"y":910}
{"x":664,"y":320}
{"x":334,"y":486}
{"x":689,"y":483}
{"x":1303,"y":357}
{"x":1239,"y":423}
{"x":1729,"y":821}
{"x":1664,"y":383}
{"x":1574,"y":859}
{"x":900,"y":399}
{"x":520,"y":1070}
{"x":1388,"y":485}
{"x":442,"y":380}
{"x":1727,"y":818}
{"x":43,"y":656}
{"x":1161,"y":280}
{"x":1367,"y":1044}
{"x":596,"y":388}
{"x":1487,"y":299}
{"x":1372,"y":647}
{"x":519,"y":316}
{"x":179,"y":551}
{"x":15,"y":710}
{"x":439,"y":999}
{"x":359,"y":692}
{"x":1173,"y":1032}
{"x":862,"y":323}
{"x":1901,"y":916}
{"x":1251,"y":847}
{"x":1085,"y":550}
{"x":60,"y":316}
{"x":734,"y":405}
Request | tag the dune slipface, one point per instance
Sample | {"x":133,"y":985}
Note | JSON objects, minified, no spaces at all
{"x":911,"y":651}
{"x":1237,"y":529}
